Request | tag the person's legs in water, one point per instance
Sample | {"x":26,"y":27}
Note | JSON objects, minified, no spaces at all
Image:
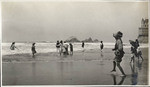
{"x":114,"y":66}
{"x":120,"y":68}
{"x":32,"y":54}
{"x":133,"y":55}
{"x":141,"y":57}
{"x":71,"y":52}
{"x":132,"y":59}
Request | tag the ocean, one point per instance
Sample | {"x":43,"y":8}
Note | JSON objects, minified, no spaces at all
{"x":51,"y":47}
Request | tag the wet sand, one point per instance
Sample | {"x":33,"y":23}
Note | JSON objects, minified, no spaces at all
{"x":83,"y":68}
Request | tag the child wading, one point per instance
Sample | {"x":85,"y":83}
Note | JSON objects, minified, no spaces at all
{"x":82,"y":44}
{"x":119,"y":53}
{"x":66,"y":48}
{"x":133,"y":50}
{"x":139,"y":54}
{"x":61,"y":47}
{"x":58,"y":46}
{"x":33,"y":50}
{"x":12,"y":47}
{"x":71,"y":49}
{"x":101,"y":46}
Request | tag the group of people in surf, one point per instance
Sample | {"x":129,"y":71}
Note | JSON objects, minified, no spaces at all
{"x":62,"y":48}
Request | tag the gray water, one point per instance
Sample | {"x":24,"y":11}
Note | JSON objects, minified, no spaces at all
{"x":93,"y":69}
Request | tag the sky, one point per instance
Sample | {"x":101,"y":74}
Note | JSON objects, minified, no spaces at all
{"x":52,"y":21}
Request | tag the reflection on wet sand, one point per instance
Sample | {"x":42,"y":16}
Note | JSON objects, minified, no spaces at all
{"x":134,"y":74}
{"x":80,"y":69}
{"x":120,"y":82}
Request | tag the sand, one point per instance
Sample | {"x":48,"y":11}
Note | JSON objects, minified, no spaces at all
{"x":83,"y":68}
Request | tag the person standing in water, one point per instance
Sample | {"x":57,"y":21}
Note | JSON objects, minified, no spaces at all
{"x":139,"y":53}
{"x":101,"y":46}
{"x":66,"y":48}
{"x":12,"y":47}
{"x":82,"y":44}
{"x":137,"y":43}
{"x":71,"y":49}
{"x":133,"y":50}
{"x":33,"y":50}
{"x":61,"y":47}
{"x":133,"y":53}
{"x":58,"y":46}
{"x":119,"y":53}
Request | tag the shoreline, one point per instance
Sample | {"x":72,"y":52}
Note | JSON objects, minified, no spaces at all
{"x":55,"y":56}
{"x":83,"y":68}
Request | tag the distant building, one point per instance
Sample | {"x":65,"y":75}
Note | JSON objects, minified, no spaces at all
{"x":143,"y":31}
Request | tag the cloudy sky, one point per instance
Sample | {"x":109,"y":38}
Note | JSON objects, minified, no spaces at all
{"x":51,"y":21}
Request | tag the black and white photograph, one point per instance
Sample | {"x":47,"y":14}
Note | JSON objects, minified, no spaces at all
{"x":75,"y":43}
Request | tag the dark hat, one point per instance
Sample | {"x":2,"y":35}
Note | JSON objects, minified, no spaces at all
{"x":132,"y":43}
{"x":33,"y":44}
{"x":118,"y":34}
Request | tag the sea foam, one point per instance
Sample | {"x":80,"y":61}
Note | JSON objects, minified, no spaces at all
{"x":51,"y":47}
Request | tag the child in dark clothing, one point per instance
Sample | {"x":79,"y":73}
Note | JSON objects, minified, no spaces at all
{"x":133,"y":51}
{"x":101,"y":46}
{"x":58,"y":46}
{"x":139,"y":54}
{"x":71,"y":49}
{"x":82,"y":44}
{"x":33,"y":49}
{"x":12,"y":47}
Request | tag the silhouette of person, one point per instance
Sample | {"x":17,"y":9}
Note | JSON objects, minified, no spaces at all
{"x":133,"y":50}
{"x":33,"y":50}
{"x":119,"y":53}
{"x":82,"y":44}
{"x":61,"y":47}
{"x":101,"y":46}
{"x":12,"y":47}
{"x":71,"y":49}
{"x":139,"y":53}
{"x":58,"y":46}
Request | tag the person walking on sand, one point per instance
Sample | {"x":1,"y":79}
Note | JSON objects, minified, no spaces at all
{"x":58,"y":46}
{"x":119,"y":53}
{"x":33,"y":50}
{"x":71,"y":49}
{"x":101,"y":46}
{"x":12,"y":47}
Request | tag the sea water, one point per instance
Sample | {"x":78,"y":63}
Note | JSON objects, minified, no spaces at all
{"x":51,"y":47}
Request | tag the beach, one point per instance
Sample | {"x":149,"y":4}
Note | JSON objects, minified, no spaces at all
{"x":88,"y":67}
